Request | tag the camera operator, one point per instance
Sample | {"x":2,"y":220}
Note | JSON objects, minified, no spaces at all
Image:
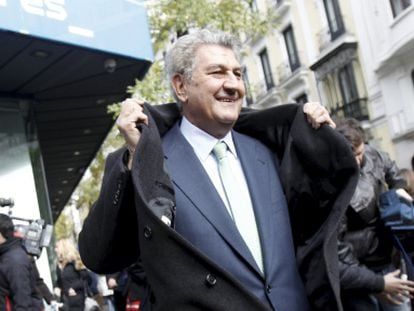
{"x":17,"y":287}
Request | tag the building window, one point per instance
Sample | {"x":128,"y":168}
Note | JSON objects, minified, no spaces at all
{"x":249,"y":99}
{"x":333,"y":13}
{"x":399,"y":6}
{"x":412,"y":76}
{"x":264,"y":59}
{"x":253,"y":5}
{"x":351,"y":105}
{"x":291,"y":48}
{"x":347,"y":84}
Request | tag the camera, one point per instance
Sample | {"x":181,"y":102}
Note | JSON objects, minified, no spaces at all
{"x":35,"y":234}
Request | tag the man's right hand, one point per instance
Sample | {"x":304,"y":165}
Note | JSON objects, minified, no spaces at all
{"x":130,"y":116}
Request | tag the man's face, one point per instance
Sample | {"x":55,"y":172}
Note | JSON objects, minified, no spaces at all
{"x":213,"y":97}
{"x":359,"y":154}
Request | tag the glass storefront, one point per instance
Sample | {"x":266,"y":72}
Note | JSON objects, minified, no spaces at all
{"x":21,"y":174}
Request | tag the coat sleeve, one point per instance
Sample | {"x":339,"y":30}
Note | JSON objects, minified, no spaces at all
{"x":108,"y":241}
{"x":352,"y":274}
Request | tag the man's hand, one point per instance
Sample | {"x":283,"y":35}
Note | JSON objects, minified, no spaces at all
{"x":130,"y":116}
{"x":317,"y":115}
{"x":396,"y":288}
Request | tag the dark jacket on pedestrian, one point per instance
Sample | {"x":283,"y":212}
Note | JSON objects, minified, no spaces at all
{"x":17,"y":286}
{"x":365,"y":244}
{"x":70,"y":277}
{"x":318,"y":174}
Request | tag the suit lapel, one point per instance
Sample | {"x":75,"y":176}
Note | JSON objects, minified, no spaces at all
{"x":189,"y":176}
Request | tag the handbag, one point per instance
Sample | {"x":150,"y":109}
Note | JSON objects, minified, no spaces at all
{"x":395,"y":212}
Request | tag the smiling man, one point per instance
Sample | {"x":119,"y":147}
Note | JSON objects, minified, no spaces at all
{"x":221,"y":238}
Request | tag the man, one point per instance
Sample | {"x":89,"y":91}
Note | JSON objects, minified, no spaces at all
{"x":369,"y":278}
{"x":170,"y":203}
{"x":17,"y":288}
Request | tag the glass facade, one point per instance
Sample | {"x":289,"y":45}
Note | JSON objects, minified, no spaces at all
{"x":21,"y":171}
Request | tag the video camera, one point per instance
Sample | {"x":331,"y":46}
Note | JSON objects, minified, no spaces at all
{"x":35,"y":234}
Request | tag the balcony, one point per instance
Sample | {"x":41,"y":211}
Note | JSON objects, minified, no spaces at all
{"x":357,"y":109}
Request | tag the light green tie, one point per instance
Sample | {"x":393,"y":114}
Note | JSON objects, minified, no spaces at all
{"x":240,"y":209}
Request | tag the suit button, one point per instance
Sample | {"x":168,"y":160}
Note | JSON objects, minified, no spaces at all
{"x":211,"y":280}
{"x":268,"y":289}
{"x":147,"y":232}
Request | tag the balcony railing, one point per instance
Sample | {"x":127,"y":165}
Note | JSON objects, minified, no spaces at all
{"x":357,"y":109}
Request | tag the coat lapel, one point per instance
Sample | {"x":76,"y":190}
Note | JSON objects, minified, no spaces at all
{"x":189,"y":176}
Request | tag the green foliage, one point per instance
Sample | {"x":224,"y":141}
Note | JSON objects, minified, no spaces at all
{"x":63,"y":227}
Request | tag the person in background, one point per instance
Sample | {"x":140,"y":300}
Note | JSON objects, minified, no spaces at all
{"x":72,"y":276}
{"x":17,"y":285}
{"x":369,"y":279}
{"x":117,"y":283}
{"x":205,"y":245}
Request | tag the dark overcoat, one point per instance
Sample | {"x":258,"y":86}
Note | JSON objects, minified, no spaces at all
{"x":318,"y":174}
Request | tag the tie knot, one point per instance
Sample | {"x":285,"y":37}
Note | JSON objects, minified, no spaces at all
{"x":219,"y":150}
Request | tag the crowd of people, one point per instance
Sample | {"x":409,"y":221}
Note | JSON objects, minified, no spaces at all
{"x":213,"y":207}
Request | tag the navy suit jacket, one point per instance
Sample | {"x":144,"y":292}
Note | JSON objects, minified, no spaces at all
{"x":203,"y":220}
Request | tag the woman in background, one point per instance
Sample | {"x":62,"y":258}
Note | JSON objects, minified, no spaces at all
{"x":72,"y":276}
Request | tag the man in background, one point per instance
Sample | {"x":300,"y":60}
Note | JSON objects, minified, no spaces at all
{"x":17,"y":286}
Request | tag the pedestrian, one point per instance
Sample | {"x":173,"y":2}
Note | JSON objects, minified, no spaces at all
{"x":370,"y":280}
{"x":17,"y":286}
{"x":206,"y":208}
{"x":72,"y":276}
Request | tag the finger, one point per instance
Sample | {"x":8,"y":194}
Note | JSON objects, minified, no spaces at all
{"x":394,"y":300}
{"x":395,"y":273}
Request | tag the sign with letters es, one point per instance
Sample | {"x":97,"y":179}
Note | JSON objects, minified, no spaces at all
{"x":115,"y":26}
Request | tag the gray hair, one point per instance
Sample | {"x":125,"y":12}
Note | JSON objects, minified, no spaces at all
{"x":180,"y":58}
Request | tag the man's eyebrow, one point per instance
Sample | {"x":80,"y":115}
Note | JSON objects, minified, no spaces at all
{"x":214,"y":66}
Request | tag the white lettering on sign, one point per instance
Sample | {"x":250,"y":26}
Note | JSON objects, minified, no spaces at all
{"x":54,"y":9}
{"x":33,"y":6}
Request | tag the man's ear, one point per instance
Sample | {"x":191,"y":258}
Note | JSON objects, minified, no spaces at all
{"x":178,"y":83}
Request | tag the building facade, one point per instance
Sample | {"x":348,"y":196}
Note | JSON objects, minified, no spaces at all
{"x":355,"y":57}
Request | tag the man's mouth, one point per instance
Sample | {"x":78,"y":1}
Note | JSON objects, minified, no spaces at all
{"x":226,"y":99}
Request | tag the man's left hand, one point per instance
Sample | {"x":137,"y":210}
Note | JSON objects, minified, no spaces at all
{"x":317,"y":115}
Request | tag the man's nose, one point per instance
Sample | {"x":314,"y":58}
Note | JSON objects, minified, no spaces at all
{"x":231,"y":81}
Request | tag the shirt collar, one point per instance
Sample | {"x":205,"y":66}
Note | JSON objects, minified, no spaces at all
{"x":202,"y":142}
